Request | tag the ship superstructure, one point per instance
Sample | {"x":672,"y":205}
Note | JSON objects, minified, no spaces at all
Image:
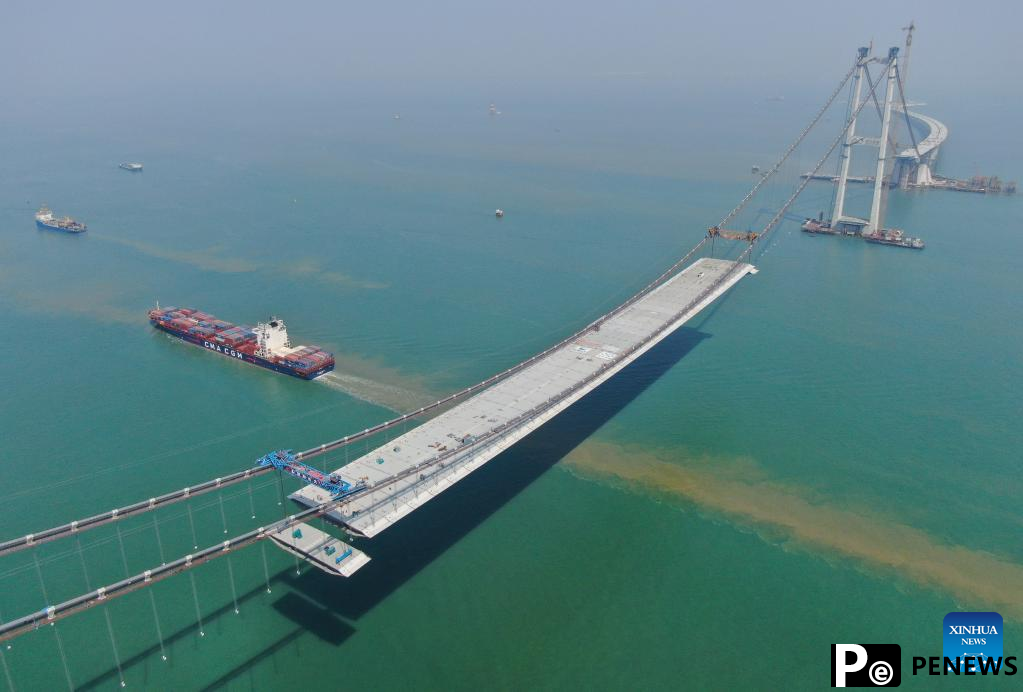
{"x":266,"y":345}
{"x":272,"y":338}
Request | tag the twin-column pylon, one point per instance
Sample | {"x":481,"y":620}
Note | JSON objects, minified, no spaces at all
{"x":850,"y":137}
{"x":875,"y":222}
{"x":842,"y":223}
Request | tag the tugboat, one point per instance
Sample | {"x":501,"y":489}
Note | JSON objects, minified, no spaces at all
{"x":133,"y":167}
{"x":46,"y":219}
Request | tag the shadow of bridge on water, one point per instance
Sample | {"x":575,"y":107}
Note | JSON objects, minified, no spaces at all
{"x":329,"y":608}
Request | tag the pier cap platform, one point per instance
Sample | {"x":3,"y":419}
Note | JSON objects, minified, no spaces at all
{"x":319,"y":548}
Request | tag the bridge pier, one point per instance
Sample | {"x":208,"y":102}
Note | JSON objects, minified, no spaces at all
{"x":910,"y":172}
{"x":914,"y":166}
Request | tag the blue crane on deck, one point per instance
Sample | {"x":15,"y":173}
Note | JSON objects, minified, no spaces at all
{"x":284,"y":460}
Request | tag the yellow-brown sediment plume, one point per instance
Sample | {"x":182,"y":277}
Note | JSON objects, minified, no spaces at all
{"x":741,"y":491}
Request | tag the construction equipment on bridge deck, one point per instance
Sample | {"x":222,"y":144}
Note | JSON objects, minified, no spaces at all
{"x":284,"y":460}
{"x":316,"y":547}
{"x":745,"y":236}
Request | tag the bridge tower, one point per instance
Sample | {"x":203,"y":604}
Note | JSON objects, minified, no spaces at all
{"x":850,"y":137}
{"x":841,"y":222}
{"x":875,"y":222}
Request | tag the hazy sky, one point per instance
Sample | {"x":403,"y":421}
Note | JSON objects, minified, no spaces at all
{"x":54,"y":48}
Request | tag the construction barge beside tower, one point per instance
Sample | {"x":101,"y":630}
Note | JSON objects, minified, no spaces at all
{"x":888,"y":236}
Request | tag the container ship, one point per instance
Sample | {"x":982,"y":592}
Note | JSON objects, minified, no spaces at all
{"x":46,"y":219}
{"x":265,"y":345}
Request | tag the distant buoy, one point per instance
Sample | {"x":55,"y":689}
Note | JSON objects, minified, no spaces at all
{"x":499,"y":213}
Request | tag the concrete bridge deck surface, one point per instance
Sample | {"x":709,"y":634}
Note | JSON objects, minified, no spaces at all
{"x":565,"y":375}
{"x":936,"y":135}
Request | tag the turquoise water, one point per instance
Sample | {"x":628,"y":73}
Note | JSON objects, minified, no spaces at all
{"x":844,"y":422}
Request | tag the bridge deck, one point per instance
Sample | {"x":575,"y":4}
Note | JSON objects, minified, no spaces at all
{"x":936,"y":136}
{"x":565,"y":376}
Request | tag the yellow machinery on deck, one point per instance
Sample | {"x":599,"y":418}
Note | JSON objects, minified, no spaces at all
{"x":747,"y":236}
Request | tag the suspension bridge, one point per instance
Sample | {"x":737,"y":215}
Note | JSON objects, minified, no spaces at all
{"x":454,"y":436}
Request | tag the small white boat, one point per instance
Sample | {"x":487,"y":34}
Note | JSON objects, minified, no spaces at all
{"x":133,"y":167}
{"x":499,"y":213}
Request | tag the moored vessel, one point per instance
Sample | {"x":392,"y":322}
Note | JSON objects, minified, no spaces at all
{"x":814,"y":226}
{"x":895,"y":237}
{"x":820,"y":226}
{"x":265,"y":345}
{"x":854,"y":227}
{"x":46,"y":219}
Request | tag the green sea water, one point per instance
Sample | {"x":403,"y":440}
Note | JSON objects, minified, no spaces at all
{"x":829,"y":454}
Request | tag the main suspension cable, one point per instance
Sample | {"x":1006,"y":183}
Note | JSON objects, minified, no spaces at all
{"x":799,"y":139}
{"x":905,"y":111}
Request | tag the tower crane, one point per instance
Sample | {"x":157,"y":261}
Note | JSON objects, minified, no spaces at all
{"x":909,"y":45}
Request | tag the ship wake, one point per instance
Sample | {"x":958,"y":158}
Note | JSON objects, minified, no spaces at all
{"x":392,"y":397}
